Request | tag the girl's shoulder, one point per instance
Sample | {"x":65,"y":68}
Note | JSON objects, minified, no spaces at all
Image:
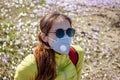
{"x":28,"y":61}
{"x":78,"y":49}
{"x":81,"y":55}
{"x":27,"y":67}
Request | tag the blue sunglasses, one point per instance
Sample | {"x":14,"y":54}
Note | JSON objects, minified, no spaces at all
{"x":60,"y":32}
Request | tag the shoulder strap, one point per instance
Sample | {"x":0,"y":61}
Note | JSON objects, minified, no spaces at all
{"x":73,"y":55}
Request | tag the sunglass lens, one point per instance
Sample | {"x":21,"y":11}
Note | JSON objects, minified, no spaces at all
{"x":60,"y":33}
{"x":70,"y":32}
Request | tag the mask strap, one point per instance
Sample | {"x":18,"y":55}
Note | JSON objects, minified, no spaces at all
{"x":50,"y":38}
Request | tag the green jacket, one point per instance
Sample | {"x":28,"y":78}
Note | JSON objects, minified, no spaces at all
{"x":65,"y":69}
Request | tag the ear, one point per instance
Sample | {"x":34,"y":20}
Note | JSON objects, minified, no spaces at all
{"x":44,"y":38}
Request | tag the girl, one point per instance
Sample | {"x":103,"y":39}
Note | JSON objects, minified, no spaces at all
{"x":54,"y":58}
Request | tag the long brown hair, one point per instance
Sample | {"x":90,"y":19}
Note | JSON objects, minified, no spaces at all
{"x":45,"y":58}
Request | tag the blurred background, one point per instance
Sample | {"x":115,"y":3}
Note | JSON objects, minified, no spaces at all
{"x":97,"y":24}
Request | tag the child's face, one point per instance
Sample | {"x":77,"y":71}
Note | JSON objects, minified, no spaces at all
{"x":60,"y":23}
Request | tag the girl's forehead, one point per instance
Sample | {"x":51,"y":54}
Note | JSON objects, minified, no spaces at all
{"x":60,"y":23}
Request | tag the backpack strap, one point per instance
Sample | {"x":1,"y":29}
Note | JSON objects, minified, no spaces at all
{"x":73,"y":55}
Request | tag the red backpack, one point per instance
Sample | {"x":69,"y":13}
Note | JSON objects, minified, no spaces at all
{"x":73,"y":55}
